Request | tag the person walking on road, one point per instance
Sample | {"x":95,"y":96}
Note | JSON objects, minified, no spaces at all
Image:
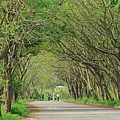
{"x":54,"y":95}
{"x":58,"y":96}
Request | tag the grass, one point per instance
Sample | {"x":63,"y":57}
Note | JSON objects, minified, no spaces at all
{"x":9,"y":116}
{"x":92,"y":101}
{"x":18,"y":110}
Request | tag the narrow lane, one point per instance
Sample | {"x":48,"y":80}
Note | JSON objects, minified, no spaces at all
{"x":69,"y":111}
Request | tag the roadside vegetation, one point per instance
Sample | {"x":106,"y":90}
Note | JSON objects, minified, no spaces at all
{"x":18,"y":110}
{"x":91,"y":101}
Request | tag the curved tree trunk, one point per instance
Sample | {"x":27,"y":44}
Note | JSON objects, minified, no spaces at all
{"x":7,"y":95}
{"x":8,"y":87}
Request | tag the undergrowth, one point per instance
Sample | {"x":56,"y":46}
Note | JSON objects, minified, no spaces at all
{"x":92,"y":101}
{"x":18,"y":110}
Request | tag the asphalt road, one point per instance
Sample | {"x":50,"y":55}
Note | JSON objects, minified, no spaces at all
{"x":58,"y":110}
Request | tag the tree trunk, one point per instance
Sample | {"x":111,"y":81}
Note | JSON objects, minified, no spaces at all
{"x":0,"y":109}
{"x":8,"y":77}
{"x":1,"y":92}
{"x":80,"y":90}
{"x":8,"y":89}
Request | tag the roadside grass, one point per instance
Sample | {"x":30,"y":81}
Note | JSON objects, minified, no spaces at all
{"x":92,"y":101}
{"x":9,"y":116}
{"x":18,"y":110}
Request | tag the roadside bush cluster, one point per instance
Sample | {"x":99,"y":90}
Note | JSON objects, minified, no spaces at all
{"x":18,"y":110}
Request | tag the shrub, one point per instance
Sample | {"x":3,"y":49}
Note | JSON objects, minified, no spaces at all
{"x":117,"y":104}
{"x":84,"y":100}
{"x":20,"y":109}
{"x":112,"y":103}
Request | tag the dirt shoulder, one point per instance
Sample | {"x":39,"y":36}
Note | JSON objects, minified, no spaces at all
{"x":33,"y":109}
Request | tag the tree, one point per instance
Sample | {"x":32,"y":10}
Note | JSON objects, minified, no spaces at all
{"x":17,"y":24}
{"x":89,"y":36}
{"x":39,"y":75}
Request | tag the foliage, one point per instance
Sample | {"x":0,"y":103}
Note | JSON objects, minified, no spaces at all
{"x":86,"y":37}
{"x":19,"y":31}
{"x":118,"y":104}
{"x":40,"y":75}
{"x":20,"y":109}
{"x":8,"y":116}
{"x":64,"y":94}
{"x":116,"y":4}
{"x":92,"y":101}
{"x":82,"y":35}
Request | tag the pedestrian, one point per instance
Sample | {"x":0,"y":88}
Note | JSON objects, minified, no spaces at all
{"x":48,"y":96}
{"x":42,"y":97}
{"x":54,"y":96}
{"x":58,"y":96}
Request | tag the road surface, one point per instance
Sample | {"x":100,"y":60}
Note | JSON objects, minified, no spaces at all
{"x":59,"y":110}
